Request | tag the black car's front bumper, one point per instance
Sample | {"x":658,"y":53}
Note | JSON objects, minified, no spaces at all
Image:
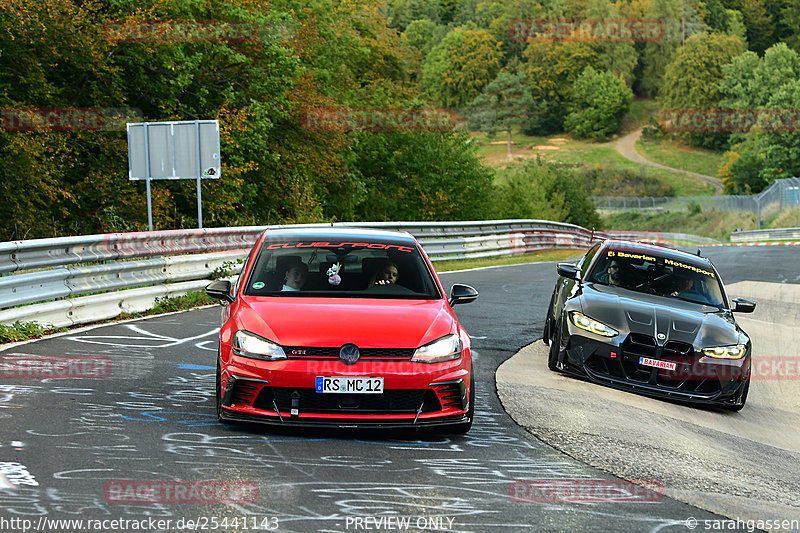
{"x":695,"y":379}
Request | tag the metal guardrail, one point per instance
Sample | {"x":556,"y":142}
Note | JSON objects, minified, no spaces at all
{"x":779,"y":234}
{"x":47,"y":280}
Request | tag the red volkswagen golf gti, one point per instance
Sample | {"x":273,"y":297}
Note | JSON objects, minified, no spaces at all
{"x":342,"y":328}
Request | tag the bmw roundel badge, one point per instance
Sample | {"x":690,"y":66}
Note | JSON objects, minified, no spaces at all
{"x":349,"y":354}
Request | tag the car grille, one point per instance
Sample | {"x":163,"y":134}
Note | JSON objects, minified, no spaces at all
{"x":308,"y":400}
{"x":332,"y":354}
{"x":626,"y":366}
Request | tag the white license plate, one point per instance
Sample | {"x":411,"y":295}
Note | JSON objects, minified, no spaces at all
{"x":655,"y":363}
{"x":348,"y":385}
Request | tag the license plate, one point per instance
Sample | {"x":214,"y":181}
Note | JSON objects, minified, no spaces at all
{"x":655,"y":363}
{"x":349,"y":385}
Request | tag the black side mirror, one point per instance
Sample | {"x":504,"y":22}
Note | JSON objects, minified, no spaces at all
{"x":740,"y":305}
{"x":220,"y":290}
{"x":568,"y":270}
{"x":462,"y":294}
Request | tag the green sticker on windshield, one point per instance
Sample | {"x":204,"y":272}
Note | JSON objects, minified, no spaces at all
{"x":258,"y":285}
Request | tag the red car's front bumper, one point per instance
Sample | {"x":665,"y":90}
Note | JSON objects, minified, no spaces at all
{"x":283,"y":392}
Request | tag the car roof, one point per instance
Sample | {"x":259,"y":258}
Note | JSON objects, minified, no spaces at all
{"x":660,"y":251}
{"x":339,"y":232}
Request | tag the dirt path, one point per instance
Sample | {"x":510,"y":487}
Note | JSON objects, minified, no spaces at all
{"x":626,"y":147}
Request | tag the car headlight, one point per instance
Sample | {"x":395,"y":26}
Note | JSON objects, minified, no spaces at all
{"x":725,"y":352}
{"x":584,"y":322}
{"x":251,"y":345}
{"x":445,"y":349}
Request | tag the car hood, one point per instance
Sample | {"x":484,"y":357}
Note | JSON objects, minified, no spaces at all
{"x":678,"y":320}
{"x":332,"y":322}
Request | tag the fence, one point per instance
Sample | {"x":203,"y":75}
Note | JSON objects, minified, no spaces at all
{"x":781,"y":194}
{"x":57,"y":281}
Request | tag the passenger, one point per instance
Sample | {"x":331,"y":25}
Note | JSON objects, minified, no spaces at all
{"x":295,"y":277}
{"x":386,"y":274}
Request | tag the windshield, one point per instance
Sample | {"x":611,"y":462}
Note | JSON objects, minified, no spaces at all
{"x":329,"y":267}
{"x":649,"y":273}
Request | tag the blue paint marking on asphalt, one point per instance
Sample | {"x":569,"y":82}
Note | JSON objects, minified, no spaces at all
{"x":150,"y":416}
{"x":195,"y":367}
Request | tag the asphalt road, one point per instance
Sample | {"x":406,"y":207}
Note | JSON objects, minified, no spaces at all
{"x":66,"y":445}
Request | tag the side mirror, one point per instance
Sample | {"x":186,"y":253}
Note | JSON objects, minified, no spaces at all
{"x":740,"y":305}
{"x":220,"y":290}
{"x":568,"y":270}
{"x":462,"y":294}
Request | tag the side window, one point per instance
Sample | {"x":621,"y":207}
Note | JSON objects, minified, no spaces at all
{"x":239,"y":277}
{"x":584,"y":263}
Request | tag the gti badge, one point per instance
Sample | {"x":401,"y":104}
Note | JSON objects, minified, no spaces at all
{"x":349,"y":354}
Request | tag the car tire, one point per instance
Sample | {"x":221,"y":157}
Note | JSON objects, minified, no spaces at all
{"x":218,"y":392}
{"x":555,"y":347}
{"x":547,"y":332}
{"x":463,"y":427}
{"x":742,"y":398}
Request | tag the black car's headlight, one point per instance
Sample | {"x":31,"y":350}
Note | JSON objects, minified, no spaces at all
{"x":725,"y":352}
{"x":446,"y":348}
{"x":588,"y":324}
{"x":248,"y":344}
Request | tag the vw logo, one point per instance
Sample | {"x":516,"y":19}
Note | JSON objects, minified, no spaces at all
{"x":349,"y":354}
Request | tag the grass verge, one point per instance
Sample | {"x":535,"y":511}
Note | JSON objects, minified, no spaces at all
{"x":532,"y":257}
{"x":711,"y":223}
{"x":23,"y":331}
{"x":676,"y":154}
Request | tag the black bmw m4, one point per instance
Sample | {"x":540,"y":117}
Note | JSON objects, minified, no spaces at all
{"x":651,"y":320}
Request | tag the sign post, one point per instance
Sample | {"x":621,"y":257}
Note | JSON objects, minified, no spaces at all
{"x":174,"y":151}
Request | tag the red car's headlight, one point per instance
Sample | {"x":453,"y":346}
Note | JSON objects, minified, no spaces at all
{"x":445,"y":349}
{"x":248,"y":344}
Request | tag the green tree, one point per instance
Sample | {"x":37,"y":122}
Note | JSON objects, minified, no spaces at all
{"x":790,"y":16}
{"x":420,"y":176}
{"x":781,"y":149}
{"x":740,"y":171}
{"x":400,"y":13}
{"x":598,"y":103}
{"x":460,"y":66}
{"x":424,"y":34}
{"x":692,"y":78}
{"x":543,"y":190}
{"x":504,"y":103}
{"x":759,"y":23}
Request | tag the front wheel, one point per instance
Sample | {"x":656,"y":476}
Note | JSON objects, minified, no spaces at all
{"x":547,"y":333}
{"x":555,"y":347}
{"x":219,"y":392}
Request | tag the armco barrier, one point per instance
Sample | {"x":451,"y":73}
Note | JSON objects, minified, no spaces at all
{"x":780,"y":234}
{"x":132,"y":269}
